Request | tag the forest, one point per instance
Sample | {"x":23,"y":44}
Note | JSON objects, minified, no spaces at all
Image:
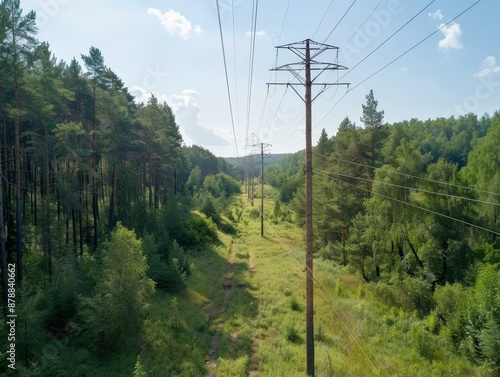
{"x":413,"y":209}
{"x":125,"y":252}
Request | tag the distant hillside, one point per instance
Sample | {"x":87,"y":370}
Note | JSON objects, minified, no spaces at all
{"x":268,"y":160}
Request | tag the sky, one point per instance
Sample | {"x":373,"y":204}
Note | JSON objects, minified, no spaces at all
{"x":173,"y":49}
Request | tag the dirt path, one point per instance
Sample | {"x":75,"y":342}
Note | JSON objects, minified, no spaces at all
{"x":214,"y":313}
{"x":255,"y":358}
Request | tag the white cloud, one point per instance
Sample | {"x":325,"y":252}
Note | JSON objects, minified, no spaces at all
{"x":261,"y":34}
{"x":404,"y":69}
{"x":175,"y":23}
{"x":142,"y":94}
{"x":437,"y":15}
{"x":489,"y":66}
{"x":188,"y":116}
{"x":452,"y":34}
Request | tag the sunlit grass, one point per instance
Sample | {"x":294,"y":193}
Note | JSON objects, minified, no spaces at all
{"x":355,"y":334}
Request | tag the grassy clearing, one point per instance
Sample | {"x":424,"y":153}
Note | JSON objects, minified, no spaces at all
{"x":258,"y":307}
{"x":356,"y":335}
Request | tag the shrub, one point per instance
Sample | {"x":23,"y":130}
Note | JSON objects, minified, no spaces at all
{"x":254,"y":213}
{"x":116,"y":313}
{"x":423,"y":342}
{"x":200,"y":231}
{"x":294,"y":305}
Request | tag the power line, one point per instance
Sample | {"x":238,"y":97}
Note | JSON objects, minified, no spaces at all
{"x":328,"y":297}
{"x":323,"y":18}
{"x":396,"y":59}
{"x":284,"y":19}
{"x":389,"y":38}
{"x":262,"y":113}
{"x":275,"y":113}
{"x":409,"y":175}
{"x":227,"y":78}
{"x":410,"y":188}
{"x":411,"y":205}
{"x":417,"y":44}
{"x":234,"y":59}
{"x":360,"y":26}
{"x":341,"y":18}
{"x":253,"y":35}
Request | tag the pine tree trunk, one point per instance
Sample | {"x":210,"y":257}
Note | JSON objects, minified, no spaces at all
{"x":113,"y":199}
{"x":47,"y":244}
{"x":3,"y":250}
{"x":19,"y":215}
{"x":344,"y":257}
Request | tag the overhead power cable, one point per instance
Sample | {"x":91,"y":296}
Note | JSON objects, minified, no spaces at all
{"x":417,"y":44}
{"x":411,"y":188}
{"x":389,"y":38}
{"x":396,"y":59}
{"x":411,"y":204}
{"x":227,"y":78}
{"x":338,"y":23}
{"x":323,"y":18}
{"x":330,"y":301}
{"x":362,"y":24}
{"x":253,"y":34}
{"x":410,"y":175}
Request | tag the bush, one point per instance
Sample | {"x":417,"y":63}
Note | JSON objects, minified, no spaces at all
{"x":116,"y":313}
{"x":168,"y":265}
{"x":294,"y":305}
{"x":254,"y":213}
{"x":411,"y":294}
{"x":423,"y":343}
{"x":292,"y":334}
{"x":200,"y":231}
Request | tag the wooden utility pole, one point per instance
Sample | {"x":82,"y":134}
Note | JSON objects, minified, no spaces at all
{"x":303,"y":51}
{"x":252,"y":141}
{"x":309,"y":224}
{"x":262,"y":146}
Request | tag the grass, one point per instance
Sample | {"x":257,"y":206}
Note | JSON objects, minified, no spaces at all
{"x":356,"y":335}
{"x":260,"y":316}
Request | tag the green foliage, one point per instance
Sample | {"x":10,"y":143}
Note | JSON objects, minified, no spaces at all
{"x":168,"y":266}
{"x":115,"y":314}
{"x":208,"y":208}
{"x":423,"y":342}
{"x":189,"y":229}
{"x":292,"y":334}
{"x":232,"y":368}
{"x":411,"y":295}
{"x":62,"y":299}
{"x":254,"y":213}
{"x":200,"y":231}
{"x":193,"y":182}
{"x":171,"y":343}
{"x":221,"y":185}
{"x":139,"y":368}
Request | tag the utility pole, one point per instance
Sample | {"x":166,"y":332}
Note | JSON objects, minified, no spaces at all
{"x":262,"y":146}
{"x":252,"y":141}
{"x":255,"y":142}
{"x":303,"y":51}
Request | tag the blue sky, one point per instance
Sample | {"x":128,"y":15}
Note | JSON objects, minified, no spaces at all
{"x":173,"y":49}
